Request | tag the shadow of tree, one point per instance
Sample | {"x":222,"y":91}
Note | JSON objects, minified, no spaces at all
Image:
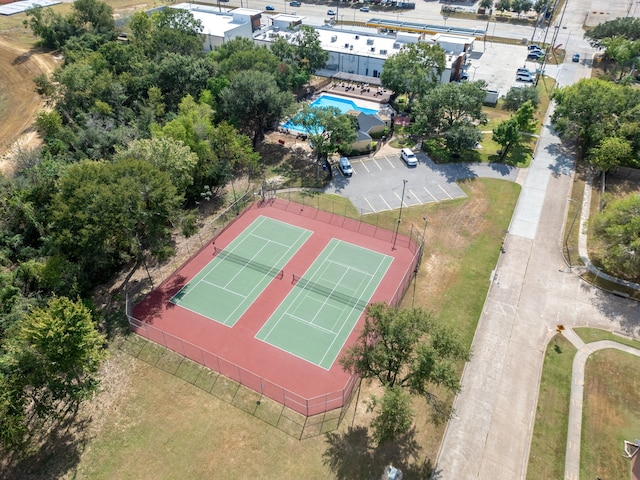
{"x":352,"y":455}
{"x":51,"y":454}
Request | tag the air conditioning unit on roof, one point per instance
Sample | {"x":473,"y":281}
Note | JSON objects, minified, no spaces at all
{"x":396,"y":45}
{"x":334,"y":38}
{"x":370,"y":41}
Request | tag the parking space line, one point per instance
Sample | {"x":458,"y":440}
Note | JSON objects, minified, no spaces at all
{"x":416,"y":197}
{"x":385,"y":202}
{"x":401,"y":199}
{"x":370,"y":206}
{"x":387,"y":159}
{"x":377,"y":164}
{"x":445,"y":192}
{"x":430,"y":194}
{"x":365,"y":166}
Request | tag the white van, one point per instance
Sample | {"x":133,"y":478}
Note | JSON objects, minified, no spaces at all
{"x":408,"y":157}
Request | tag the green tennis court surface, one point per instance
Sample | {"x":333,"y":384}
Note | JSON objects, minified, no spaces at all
{"x":317,"y":316}
{"x":237,"y":275}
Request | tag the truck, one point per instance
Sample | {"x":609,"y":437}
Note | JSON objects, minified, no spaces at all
{"x":407,"y":5}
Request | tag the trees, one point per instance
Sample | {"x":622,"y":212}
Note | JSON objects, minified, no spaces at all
{"x":610,"y":153}
{"x":50,"y":361}
{"x":453,"y":111}
{"x":329,"y":130}
{"x":253,"y":102}
{"x":414,"y":70}
{"x":516,"y":96}
{"x":623,"y":27}
{"x":503,"y":5}
{"x":167,"y":155}
{"x":395,"y":415}
{"x":486,"y":4}
{"x":507,"y":134}
{"x":588,"y":110}
{"x":105,"y":215}
{"x":520,"y":6}
{"x":404,"y":348}
{"x":618,"y":227}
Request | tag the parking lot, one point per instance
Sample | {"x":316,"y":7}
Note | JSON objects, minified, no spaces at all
{"x":377,"y":183}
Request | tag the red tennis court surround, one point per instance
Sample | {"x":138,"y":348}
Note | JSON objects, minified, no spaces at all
{"x":235,"y":352}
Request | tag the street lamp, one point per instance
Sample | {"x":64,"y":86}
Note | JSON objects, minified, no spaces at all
{"x":395,"y":237}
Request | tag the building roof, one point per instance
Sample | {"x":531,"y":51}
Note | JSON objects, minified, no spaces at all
{"x":217,"y":20}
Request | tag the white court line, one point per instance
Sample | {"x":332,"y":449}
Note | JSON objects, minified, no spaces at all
{"x":311,"y":324}
{"x":268,"y":240}
{"x":430,"y":194}
{"x":237,"y":294}
{"x":446,"y":193}
{"x":385,"y":202}
{"x":354,"y":323}
{"x":349,"y":267}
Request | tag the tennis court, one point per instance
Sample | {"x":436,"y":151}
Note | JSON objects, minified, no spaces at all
{"x":227,"y":286}
{"x":315,"y":319}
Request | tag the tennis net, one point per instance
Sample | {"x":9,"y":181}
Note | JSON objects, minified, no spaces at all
{"x":328,"y":292}
{"x":246,"y":262}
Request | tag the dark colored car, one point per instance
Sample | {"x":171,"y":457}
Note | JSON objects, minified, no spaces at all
{"x":294,"y":4}
{"x":269,"y":8}
{"x":535,"y":55}
{"x":576,"y":57}
{"x":534,"y":47}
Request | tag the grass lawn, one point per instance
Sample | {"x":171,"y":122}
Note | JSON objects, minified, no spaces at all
{"x":150,"y":424}
{"x":612,"y":380}
{"x":548,"y":445}
{"x":610,"y":416}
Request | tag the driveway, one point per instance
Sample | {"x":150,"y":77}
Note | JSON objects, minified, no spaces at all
{"x":378,"y":182}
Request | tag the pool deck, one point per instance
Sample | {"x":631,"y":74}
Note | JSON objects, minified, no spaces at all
{"x":371,"y":93}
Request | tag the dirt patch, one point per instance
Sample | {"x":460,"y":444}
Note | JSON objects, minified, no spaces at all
{"x":18,"y":67}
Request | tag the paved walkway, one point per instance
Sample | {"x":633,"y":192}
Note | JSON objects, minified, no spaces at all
{"x":572,"y":459}
{"x":532,"y":291}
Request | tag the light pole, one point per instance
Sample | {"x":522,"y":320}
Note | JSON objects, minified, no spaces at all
{"x":395,"y":237}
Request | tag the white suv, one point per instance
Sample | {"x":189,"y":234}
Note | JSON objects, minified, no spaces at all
{"x":408,"y":157}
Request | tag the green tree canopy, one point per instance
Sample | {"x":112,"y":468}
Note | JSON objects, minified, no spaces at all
{"x":105,"y":215}
{"x":618,"y":230}
{"x":622,"y":27}
{"x":507,"y":134}
{"x":329,"y":130}
{"x":395,"y":415}
{"x":588,"y":110}
{"x":405,"y":348}
{"x":52,"y":356}
{"x":167,"y":155}
{"x":414,"y":70}
{"x":253,"y":102}
{"x":452,"y":111}
{"x":516,"y":96}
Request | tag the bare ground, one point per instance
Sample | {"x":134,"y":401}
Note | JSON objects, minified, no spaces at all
{"x":19,"y":102}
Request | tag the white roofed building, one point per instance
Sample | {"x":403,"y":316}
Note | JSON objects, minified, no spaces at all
{"x":221,"y":24}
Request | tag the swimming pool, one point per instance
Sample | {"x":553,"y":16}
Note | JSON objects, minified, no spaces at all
{"x":342,"y":104}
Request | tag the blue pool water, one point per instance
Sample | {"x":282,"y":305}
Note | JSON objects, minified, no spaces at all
{"x":342,"y":104}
